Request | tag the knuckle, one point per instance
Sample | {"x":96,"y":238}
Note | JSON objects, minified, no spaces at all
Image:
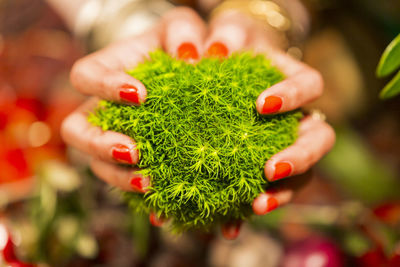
{"x":293,"y":92}
{"x":317,"y":81}
{"x":65,"y":129}
{"x":94,"y":139}
{"x":77,"y":70}
{"x":308,"y":158}
{"x":330,"y":136}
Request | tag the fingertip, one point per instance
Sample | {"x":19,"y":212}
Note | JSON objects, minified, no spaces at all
{"x":125,"y":153}
{"x":132,"y":93}
{"x":270,"y":101}
{"x":260,"y":204}
{"x":278,"y":169}
{"x":271,"y":104}
{"x":230,"y":29}
{"x":264,"y":203}
{"x":184,"y":32}
{"x":155,"y":220}
{"x":217,"y":49}
{"x":187,"y":51}
{"x":231,"y":230}
{"x":139,"y":183}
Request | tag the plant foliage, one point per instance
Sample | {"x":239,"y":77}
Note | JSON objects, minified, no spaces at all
{"x":200,"y":137}
{"x":389,"y":62}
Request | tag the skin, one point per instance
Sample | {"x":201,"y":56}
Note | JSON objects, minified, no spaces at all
{"x":102,"y":73}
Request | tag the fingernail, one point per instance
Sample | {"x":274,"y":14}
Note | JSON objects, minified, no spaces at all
{"x":129,"y":93}
{"x":272,"y":204}
{"x":217,"y":49}
{"x":187,"y":51}
{"x":272,"y":104}
{"x":122,"y":154}
{"x":282,"y":170}
{"x":137,"y":184}
{"x":231,"y":230}
{"x":264,"y":203}
{"x":155,"y":221}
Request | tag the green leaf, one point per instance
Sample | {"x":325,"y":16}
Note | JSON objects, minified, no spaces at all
{"x":392,"y":88}
{"x":390,"y":59}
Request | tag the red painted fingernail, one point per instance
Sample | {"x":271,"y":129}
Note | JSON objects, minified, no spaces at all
{"x":155,"y":221}
{"x":187,"y":51}
{"x":264,"y":203}
{"x":217,"y":49}
{"x":129,"y":93}
{"x":137,"y":184}
{"x":272,"y":204}
{"x":282,"y":170}
{"x":272,"y":104}
{"x":231,"y":230}
{"x":122,"y":153}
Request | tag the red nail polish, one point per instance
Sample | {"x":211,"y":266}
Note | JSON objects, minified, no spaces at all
{"x":217,"y":49}
{"x":231,"y":230}
{"x":282,"y":170}
{"x":129,"y":93}
{"x":272,"y":204}
{"x":155,"y":221}
{"x":187,"y":51}
{"x":272,"y":104}
{"x":136,"y":184}
{"x":9,"y":252}
{"x":122,"y":153}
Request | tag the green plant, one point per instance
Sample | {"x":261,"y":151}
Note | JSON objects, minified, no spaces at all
{"x":389,"y":62}
{"x":200,"y":137}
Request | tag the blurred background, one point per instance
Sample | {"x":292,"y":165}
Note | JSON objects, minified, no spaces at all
{"x":54,"y":212}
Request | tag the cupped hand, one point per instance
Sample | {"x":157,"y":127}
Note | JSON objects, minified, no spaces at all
{"x":235,"y":31}
{"x":102,"y":75}
{"x":182,"y":33}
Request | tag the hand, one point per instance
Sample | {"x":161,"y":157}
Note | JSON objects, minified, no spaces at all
{"x":102,"y":75}
{"x":303,"y":84}
{"x":182,"y":33}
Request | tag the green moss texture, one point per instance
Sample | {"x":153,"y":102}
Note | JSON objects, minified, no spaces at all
{"x":199,"y":136}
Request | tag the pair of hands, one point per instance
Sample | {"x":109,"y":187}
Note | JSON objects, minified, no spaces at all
{"x":182,"y":33}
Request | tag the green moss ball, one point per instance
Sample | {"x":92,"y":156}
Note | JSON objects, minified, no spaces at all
{"x":199,"y":136}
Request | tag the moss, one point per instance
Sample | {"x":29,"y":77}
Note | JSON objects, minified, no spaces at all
{"x":200,"y":137}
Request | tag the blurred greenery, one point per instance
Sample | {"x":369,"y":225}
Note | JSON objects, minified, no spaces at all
{"x":357,"y":170}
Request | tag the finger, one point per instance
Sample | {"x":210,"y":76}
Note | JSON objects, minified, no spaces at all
{"x":126,"y":179}
{"x":106,"y":145}
{"x":231,"y":230}
{"x":229,"y":32}
{"x":302,"y":85}
{"x":103,"y":73}
{"x":315,"y":139}
{"x":270,"y":200}
{"x":155,"y":220}
{"x":184,"y":33}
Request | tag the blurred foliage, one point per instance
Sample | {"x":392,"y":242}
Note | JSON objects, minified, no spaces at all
{"x":59,"y":215}
{"x":358,"y":171}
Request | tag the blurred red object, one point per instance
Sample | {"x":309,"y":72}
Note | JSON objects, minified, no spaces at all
{"x":373,"y":258}
{"x":13,"y":165}
{"x":394,"y":261}
{"x":7,"y":249}
{"x":388,"y":213}
{"x":313,"y":251}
